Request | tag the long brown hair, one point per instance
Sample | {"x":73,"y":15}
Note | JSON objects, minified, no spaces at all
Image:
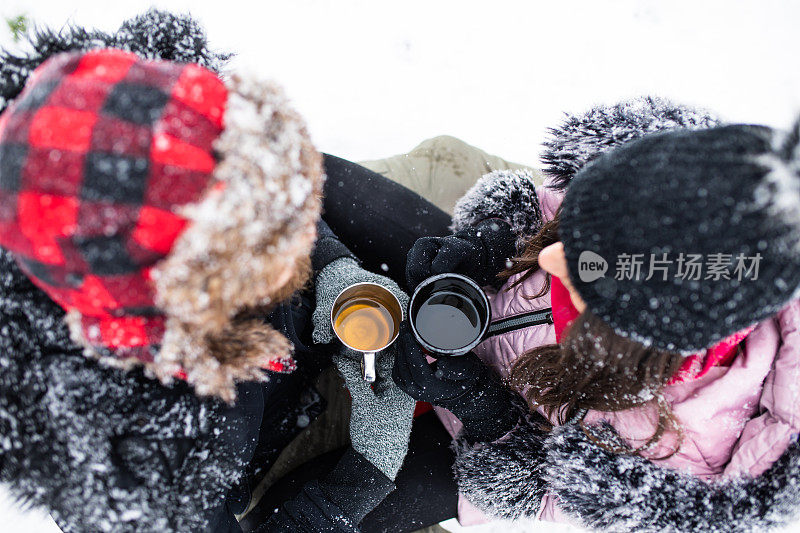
{"x":592,"y":367}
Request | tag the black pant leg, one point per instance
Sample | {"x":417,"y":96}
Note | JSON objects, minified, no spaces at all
{"x":426,"y":492}
{"x":377,"y":218}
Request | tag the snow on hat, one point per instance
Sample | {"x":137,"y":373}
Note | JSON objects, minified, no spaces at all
{"x":159,"y":205}
{"x":727,"y":198}
{"x":580,"y":138}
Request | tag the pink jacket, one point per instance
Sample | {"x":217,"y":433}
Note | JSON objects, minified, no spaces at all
{"x":737,"y":420}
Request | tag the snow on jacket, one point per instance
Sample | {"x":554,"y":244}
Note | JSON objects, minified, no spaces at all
{"x":104,"y":449}
{"x":100,"y":448}
{"x":737,"y":469}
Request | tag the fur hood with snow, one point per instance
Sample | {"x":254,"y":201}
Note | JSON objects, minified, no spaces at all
{"x":738,"y":467}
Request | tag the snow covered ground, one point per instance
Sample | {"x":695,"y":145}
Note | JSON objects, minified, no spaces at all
{"x":373,"y":78}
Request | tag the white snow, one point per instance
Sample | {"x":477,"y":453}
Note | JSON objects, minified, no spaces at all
{"x":521,"y":526}
{"x":16,"y":521}
{"x":375,"y":78}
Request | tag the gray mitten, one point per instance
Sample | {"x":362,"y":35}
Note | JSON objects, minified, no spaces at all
{"x":381,"y":416}
{"x":332,"y":280}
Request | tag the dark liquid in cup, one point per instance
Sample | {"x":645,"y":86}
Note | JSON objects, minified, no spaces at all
{"x":448,"y":320}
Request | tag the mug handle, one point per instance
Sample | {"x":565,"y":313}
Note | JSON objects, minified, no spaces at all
{"x":368,"y":367}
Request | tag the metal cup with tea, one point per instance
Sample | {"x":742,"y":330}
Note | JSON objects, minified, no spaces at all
{"x":366,"y":318}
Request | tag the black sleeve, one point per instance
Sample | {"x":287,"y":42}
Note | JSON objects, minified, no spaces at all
{"x":328,"y":248}
{"x":336,"y":503}
{"x":488,"y":412}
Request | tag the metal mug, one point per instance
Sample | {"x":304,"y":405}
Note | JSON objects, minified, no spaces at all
{"x":465,"y":291}
{"x":375,"y":293}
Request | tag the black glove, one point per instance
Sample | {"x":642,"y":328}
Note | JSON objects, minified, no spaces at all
{"x":480,"y":252}
{"x":461,"y":384}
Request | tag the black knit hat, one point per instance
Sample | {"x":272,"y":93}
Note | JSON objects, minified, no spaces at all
{"x":712,"y":218}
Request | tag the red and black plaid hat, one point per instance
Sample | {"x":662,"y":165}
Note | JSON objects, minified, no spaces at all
{"x":98,"y":156}
{"x":95,"y":155}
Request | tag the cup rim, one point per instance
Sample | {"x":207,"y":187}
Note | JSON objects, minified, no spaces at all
{"x":442,"y":351}
{"x":363,"y":283}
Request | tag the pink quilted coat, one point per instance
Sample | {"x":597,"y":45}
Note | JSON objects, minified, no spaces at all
{"x":736,"y":420}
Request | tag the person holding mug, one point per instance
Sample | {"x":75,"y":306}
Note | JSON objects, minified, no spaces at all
{"x":664,"y":395}
{"x":161,"y":235}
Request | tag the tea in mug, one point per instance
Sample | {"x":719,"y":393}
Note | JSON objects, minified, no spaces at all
{"x":448,"y":320}
{"x":449,"y":314}
{"x":364,"y":324}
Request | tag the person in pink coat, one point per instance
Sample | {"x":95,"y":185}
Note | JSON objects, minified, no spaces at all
{"x":659,"y":397}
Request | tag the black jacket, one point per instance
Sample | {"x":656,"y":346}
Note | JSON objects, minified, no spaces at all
{"x":336,"y":503}
{"x":104,"y":449}
{"x":101,"y":448}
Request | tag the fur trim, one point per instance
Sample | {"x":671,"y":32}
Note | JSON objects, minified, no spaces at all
{"x":158,"y":34}
{"x":154,"y":35}
{"x":64,"y":419}
{"x":247,"y":245}
{"x":579,"y":139}
{"x":617,"y":492}
{"x":509,"y":195}
{"x":503,"y":478}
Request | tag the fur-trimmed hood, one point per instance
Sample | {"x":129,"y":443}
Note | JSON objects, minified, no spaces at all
{"x":582,"y":137}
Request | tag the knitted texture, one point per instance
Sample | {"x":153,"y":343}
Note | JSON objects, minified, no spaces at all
{"x":479,"y":252}
{"x":728,"y":195}
{"x":381,"y":415}
{"x":380,"y":420}
{"x":332,"y":280}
